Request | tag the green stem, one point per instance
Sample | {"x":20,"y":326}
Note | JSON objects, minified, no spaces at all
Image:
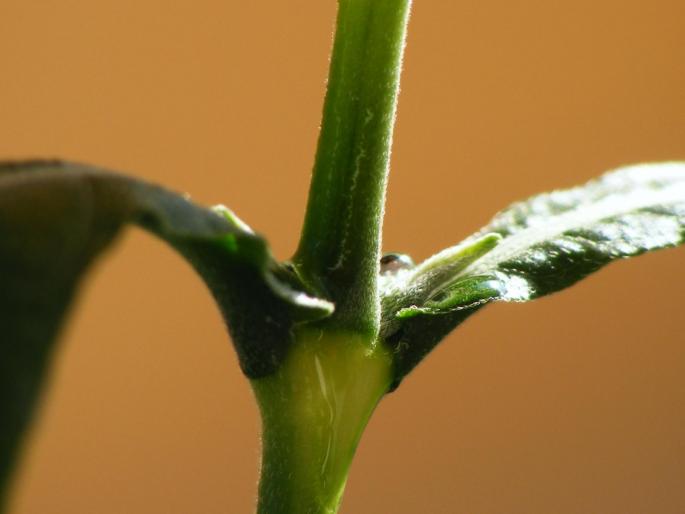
{"x":314,"y":410}
{"x":316,"y":404}
{"x":340,"y":244}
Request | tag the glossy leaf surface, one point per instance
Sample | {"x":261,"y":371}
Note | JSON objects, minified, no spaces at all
{"x":534,"y":248}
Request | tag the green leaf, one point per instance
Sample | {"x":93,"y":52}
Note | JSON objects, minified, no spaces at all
{"x":534,"y":248}
{"x":56,"y":218}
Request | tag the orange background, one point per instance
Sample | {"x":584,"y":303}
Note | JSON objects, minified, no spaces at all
{"x":573,"y":404}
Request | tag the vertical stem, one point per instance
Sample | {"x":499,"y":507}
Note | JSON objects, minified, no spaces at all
{"x":340,"y":243}
{"x":316,"y":404}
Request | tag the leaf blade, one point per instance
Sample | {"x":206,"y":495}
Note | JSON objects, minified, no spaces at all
{"x":56,"y":218}
{"x":553,"y":240}
{"x":547,"y":243}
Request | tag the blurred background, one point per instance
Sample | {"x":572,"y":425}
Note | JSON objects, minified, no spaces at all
{"x":572,"y":404}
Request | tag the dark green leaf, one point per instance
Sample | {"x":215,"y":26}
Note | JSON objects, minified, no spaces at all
{"x":55,"y":218}
{"x":534,"y":248}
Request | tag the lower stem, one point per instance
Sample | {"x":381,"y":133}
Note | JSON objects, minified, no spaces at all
{"x":314,"y":410}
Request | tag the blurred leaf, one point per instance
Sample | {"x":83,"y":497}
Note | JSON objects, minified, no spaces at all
{"x":56,"y":217}
{"x":534,"y":248}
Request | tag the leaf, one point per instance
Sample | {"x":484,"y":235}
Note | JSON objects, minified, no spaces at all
{"x":56,"y":218}
{"x":540,"y":246}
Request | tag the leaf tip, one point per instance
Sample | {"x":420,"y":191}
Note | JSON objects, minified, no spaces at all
{"x":232,"y":218}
